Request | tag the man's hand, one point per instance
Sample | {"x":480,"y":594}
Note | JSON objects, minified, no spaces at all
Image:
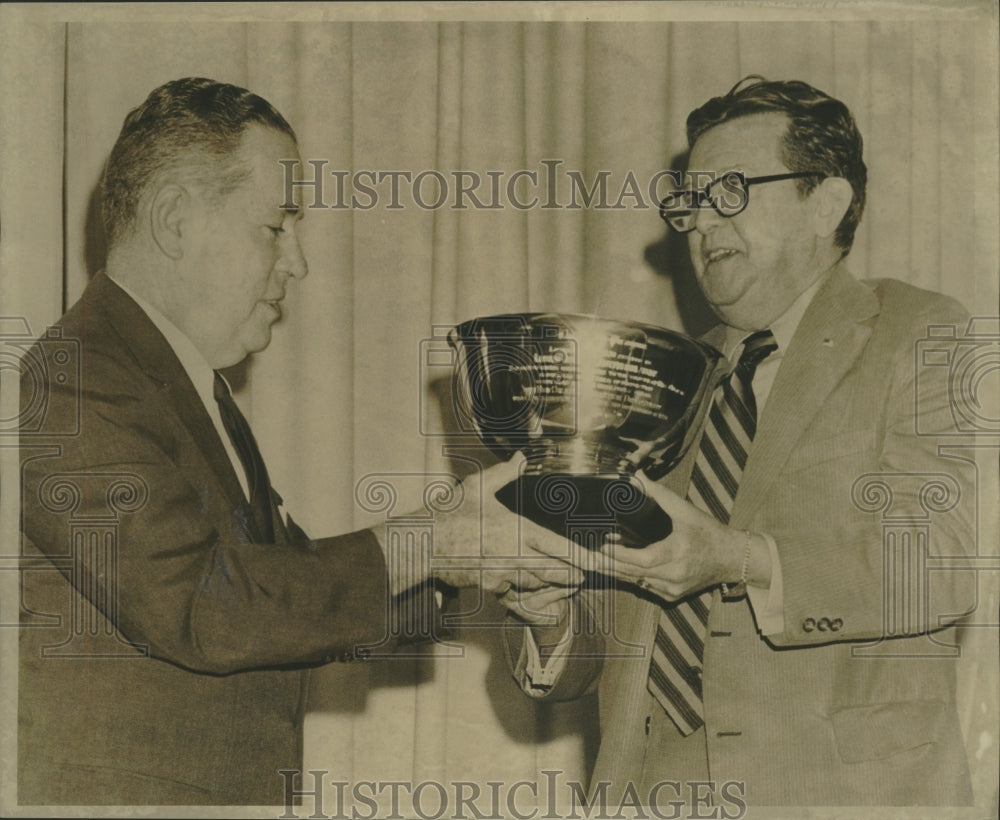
{"x":545,"y":610}
{"x":541,"y":607}
{"x":482,"y":543}
{"x":700,"y":553}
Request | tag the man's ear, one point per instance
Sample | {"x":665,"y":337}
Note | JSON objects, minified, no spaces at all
{"x":831,"y":199}
{"x":169,"y":206}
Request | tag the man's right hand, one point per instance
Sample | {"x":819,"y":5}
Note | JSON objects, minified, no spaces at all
{"x":482,"y":543}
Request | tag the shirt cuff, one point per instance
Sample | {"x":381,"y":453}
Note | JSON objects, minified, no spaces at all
{"x":768,"y":602}
{"x":534,"y":677}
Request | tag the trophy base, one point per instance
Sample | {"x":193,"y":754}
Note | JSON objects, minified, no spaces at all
{"x":584,"y":507}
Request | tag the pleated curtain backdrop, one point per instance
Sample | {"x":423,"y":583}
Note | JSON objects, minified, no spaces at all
{"x":348,"y":389}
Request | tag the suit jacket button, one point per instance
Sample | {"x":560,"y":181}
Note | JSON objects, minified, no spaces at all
{"x":835,"y":624}
{"x":823,"y":624}
{"x":808,"y":625}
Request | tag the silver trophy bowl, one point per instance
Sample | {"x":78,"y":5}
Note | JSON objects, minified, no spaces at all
{"x":589,"y":401}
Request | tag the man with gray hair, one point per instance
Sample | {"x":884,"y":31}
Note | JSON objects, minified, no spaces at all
{"x":195,"y":605}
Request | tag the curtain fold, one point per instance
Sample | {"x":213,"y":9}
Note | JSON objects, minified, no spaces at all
{"x":348,"y":389}
{"x":33,"y":153}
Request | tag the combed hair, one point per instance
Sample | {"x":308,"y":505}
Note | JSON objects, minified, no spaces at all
{"x":821,"y":136}
{"x":192,"y":127}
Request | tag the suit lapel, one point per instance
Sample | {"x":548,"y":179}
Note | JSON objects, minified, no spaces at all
{"x":157,"y":360}
{"x":826,"y":344}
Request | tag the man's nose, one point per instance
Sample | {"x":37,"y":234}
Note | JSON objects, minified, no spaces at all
{"x":293,"y":261}
{"x":706,"y":218}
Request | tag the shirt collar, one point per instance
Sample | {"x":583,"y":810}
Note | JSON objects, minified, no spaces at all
{"x":194,"y":363}
{"x":783,"y":328}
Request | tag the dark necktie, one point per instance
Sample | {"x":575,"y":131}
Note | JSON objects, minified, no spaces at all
{"x":253,"y":464}
{"x":676,"y":662}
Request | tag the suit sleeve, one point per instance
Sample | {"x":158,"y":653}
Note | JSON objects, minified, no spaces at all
{"x":177,"y":572}
{"x":874,"y":521}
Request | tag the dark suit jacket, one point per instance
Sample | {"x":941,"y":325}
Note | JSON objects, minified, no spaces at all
{"x":853,"y":702}
{"x":164,"y":662}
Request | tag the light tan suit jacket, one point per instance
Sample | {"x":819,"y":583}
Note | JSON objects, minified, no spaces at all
{"x":853,"y":702}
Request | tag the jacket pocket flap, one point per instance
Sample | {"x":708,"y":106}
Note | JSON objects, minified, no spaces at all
{"x":880,"y":730}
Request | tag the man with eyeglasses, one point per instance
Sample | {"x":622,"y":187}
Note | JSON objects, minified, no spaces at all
{"x":783,"y":645}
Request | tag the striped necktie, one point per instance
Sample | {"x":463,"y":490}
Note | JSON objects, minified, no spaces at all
{"x":262,"y":525}
{"x":676,"y":662}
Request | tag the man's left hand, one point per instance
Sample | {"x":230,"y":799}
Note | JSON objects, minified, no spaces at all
{"x":700,"y":552}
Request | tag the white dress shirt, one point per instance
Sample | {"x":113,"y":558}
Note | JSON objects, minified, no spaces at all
{"x":200,"y":373}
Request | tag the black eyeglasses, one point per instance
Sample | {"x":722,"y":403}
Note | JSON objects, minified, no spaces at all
{"x":728,"y":195}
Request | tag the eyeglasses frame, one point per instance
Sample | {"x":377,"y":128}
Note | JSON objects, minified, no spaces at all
{"x":745,"y":182}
